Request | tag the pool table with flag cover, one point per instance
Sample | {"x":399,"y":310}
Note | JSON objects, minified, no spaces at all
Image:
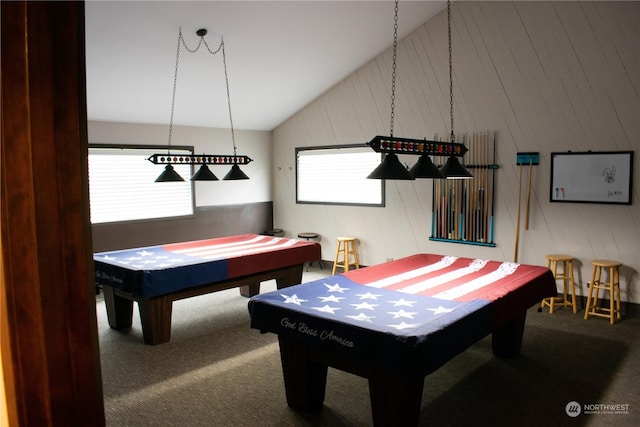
{"x":155,"y":276}
{"x":395,"y":323}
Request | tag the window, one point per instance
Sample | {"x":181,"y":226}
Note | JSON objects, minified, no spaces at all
{"x":122,"y":185}
{"x":338,"y":175}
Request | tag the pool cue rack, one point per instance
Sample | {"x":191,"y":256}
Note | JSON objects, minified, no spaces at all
{"x":463,"y":209}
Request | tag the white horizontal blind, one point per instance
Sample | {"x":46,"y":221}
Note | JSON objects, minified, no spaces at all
{"x":122,"y":186}
{"x":338,"y":175}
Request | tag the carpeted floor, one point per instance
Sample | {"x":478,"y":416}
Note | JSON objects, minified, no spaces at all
{"x":217,"y":371}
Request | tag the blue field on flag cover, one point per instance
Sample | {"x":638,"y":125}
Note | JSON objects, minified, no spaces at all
{"x":339,"y":299}
{"x":155,"y":271}
{"x":149,"y":258}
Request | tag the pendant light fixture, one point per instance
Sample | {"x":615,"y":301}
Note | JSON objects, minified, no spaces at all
{"x":390,"y":167}
{"x":204,"y":173}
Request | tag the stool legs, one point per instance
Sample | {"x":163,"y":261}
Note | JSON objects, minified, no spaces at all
{"x":613,"y":287}
{"x":337,"y":257}
{"x":567,"y":283}
{"x":347,"y":249}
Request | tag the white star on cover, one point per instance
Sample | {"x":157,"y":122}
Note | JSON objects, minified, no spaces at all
{"x":331,"y":298}
{"x":365,"y":306}
{"x":335,"y":288}
{"x":326,"y":309}
{"x":402,"y":303}
{"x":440,"y":310}
{"x":293,"y":299}
{"x":369,"y":295}
{"x":402,"y":313}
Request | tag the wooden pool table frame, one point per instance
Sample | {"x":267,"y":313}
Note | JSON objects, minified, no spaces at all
{"x":155,"y":312}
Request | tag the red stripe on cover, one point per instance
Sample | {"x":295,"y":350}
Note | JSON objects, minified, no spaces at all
{"x":251,"y":253}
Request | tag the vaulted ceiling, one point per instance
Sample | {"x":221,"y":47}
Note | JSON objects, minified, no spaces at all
{"x":280,"y":55}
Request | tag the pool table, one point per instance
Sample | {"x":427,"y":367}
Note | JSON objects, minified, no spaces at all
{"x":155,"y":276}
{"x":395,"y":323}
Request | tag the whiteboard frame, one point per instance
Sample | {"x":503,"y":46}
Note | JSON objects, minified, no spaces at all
{"x":592,"y":177}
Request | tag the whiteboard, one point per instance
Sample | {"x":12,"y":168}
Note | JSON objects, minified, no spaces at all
{"x":592,"y":177}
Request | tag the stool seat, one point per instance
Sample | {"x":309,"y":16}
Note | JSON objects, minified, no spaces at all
{"x":606,"y":263}
{"x":612,"y":286}
{"x":566,"y":276}
{"x":273,"y":232}
{"x":346,"y":249}
{"x":310,"y":235}
{"x":559,"y":257}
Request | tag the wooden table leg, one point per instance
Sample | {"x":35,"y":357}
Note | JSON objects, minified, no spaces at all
{"x":507,"y":341}
{"x":155,"y":316}
{"x":119,"y":309}
{"x":305,"y":381}
{"x":292,"y":277}
{"x":250,"y":290}
{"x":396,"y":398}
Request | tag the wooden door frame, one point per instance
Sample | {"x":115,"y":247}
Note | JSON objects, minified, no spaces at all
{"x":48,"y":328}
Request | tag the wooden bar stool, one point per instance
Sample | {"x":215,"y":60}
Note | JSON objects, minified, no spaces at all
{"x":308,"y":236}
{"x":567,"y":281}
{"x":347,"y":248}
{"x":612,"y":286}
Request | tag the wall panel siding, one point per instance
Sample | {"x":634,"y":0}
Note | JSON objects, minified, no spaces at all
{"x":547,"y":76}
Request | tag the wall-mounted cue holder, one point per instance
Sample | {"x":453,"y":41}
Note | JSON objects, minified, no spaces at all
{"x":463,"y":208}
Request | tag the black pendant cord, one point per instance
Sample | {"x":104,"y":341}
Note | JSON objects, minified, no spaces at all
{"x":453,"y":136}
{"x":393,"y":67}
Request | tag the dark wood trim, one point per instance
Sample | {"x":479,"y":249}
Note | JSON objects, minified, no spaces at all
{"x":49,"y":334}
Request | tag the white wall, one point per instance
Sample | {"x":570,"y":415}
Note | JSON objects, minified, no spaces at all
{"x":255,"y":144}
{"x":547,"y":76}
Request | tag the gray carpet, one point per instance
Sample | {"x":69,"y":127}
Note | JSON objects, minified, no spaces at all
{"x":217,"y":371}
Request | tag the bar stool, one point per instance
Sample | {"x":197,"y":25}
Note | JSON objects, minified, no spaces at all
{"x":613,"y":287}
{"x":308,"y":236}
{"x":347,"y":248}
{"x":276,"y":232}
{"x":567,"y":281}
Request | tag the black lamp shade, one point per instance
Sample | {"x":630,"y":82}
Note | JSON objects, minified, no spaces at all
{"x":390,"y":168}
{"x":454,"y":170}
{"x":204,"y":174}
{"x":235,"y":174}
{"x":424,"y":168}
{"x":169,"y":175}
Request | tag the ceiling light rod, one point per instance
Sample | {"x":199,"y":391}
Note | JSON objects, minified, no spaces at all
{"x":390,"y":144}
{"x":199,"y":159}
{"x":203,"y":174}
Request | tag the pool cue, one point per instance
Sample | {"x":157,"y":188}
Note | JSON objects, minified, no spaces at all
{"x":443,"y":205}
{"x":433,"y":207}
{"x":473,"y":199}
{"x":486,"y":187}
{"x":493,"y":189}
{"x":482,"y":192}
{"x":515,"y":251}
{"x":526,"y":221}
{"x":477,"y":180}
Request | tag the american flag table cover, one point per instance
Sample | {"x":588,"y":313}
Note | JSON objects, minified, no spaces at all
{"x":160,"y":270}
{"x":424,"y":308}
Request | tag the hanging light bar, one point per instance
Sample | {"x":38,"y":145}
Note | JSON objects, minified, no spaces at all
{"x":199,"y":159}
{"x":390,"y":144}
{"x":390,"y":167}
{"x":204,"y":173}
